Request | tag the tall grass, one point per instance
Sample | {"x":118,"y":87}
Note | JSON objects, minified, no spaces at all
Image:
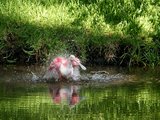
{"x":116,"y":31}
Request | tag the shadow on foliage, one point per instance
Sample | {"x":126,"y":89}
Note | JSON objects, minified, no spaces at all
{"x":27,"y":43}
{"x":23,"y":42}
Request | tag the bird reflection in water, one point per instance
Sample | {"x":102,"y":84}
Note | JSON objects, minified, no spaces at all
{"x":64,"y":94}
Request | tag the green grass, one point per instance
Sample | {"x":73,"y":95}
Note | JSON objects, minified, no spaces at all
{"x":115,"y":31}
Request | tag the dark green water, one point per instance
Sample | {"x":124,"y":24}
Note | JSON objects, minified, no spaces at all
{"x":137,"y":97}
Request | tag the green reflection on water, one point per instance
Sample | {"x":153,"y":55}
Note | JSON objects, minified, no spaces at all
{"x":134,"y":101}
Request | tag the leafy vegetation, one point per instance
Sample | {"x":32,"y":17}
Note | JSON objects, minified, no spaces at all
{"x":99,"y":31}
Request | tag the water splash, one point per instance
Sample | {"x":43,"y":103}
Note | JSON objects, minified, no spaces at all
{"x":34,"y":77}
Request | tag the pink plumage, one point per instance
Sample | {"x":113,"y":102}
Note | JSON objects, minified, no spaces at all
{"x":65,"y":68}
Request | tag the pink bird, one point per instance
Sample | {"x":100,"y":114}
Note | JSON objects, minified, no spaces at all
{"x":65,"y":68}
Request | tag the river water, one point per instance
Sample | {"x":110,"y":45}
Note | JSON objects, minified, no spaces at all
{"x":104,"y":93}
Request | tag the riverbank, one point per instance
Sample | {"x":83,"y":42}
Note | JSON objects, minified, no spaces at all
{"x":99,"y":32}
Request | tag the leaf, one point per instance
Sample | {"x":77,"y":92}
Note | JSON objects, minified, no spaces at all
{"x":28,"y":52}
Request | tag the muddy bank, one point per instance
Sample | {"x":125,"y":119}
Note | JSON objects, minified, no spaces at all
{"x":93,"y":76}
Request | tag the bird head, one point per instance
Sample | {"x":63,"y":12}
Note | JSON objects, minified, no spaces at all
{"x":76,"y":62}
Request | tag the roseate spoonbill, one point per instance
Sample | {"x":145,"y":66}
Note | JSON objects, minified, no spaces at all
{"x":65,"y":68}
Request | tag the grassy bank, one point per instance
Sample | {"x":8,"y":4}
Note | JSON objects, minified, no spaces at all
{"x":99,"y":31}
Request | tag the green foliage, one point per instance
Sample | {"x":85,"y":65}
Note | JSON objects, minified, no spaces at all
{"x":34,"y":29}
